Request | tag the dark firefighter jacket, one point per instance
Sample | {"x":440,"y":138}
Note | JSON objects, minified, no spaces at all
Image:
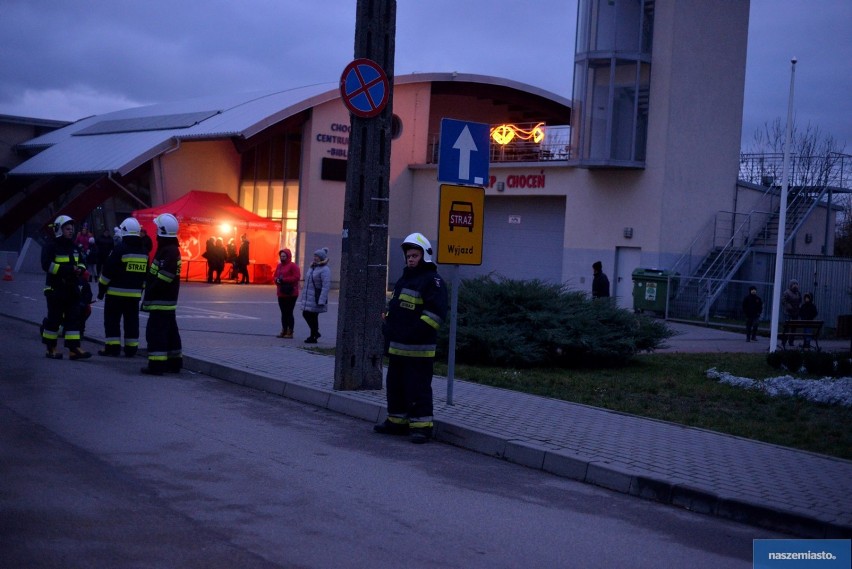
{"x":126,"y":269}
{"x":61,"y":260}
{"x":163,"y":284}
{"x":415,"y":312}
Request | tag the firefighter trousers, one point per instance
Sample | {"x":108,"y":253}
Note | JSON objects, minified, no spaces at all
{"x":409,"y":389}
{"x":117,"y":308}
{"x":163,"y":339}
{"x":63,"y":310}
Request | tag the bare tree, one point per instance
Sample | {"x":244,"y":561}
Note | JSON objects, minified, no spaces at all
{"x":816,"y":158}
{"x":817,"y":163}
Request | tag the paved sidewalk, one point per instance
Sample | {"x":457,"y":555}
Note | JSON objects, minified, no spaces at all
{"x":756,"y":483}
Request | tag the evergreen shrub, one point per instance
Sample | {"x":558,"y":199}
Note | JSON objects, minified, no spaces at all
{"x":524,"y":324}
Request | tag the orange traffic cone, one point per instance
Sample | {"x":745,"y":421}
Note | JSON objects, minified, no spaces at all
{"x":7,"y":276}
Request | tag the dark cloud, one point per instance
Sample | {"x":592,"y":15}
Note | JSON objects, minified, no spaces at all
{"x":66,"y":60}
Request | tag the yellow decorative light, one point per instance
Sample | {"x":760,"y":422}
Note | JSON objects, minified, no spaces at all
{"x":505,"y":133}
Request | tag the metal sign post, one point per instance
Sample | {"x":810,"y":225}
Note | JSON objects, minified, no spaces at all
{"x":461,"y":212}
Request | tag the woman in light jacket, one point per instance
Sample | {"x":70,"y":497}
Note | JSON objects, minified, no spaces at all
{"x":315,"y":295}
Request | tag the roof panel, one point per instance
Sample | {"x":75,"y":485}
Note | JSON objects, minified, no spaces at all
{"x":138,"y":124}
{"x":96,"y":154}
{"x":122,"y":140}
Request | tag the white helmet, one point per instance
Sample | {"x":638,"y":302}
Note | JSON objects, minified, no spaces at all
{"x":167,"y":225}
{"x":130,"y":227}
{"x":418,"y":240}
{"x":59,"y":222}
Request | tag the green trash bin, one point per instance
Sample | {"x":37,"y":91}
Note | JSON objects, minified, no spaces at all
{"x":651,"y":288}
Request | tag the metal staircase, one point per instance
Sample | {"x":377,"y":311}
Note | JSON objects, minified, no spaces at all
{"x":748,"y":232}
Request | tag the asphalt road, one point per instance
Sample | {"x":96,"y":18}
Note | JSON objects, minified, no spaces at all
{"x":104,"y":467}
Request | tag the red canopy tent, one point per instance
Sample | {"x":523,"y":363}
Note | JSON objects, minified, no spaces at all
{"x":210,"y":214}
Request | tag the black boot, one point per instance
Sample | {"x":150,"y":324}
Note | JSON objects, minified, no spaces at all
{"x":420,"y":435}
{"x":111,"y":351}
{"x":391,"y":428}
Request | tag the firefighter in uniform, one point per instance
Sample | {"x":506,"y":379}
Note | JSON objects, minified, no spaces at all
{"x":121,"y":282}
{"x":63,"y":264}
{"x":412,"y":320}
{"x":160,"y":301}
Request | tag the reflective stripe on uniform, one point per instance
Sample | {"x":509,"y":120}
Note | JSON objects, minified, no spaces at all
{"x":431,"y":319}
{"x":420,"y":422}
{"x":411,"y":296}
{"x":125,"y":292}
{"x":398,"y":419}
{"x":412,"y":351}
{"x":163,"y":305}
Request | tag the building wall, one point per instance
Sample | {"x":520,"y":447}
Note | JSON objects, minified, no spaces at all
{"x":321,"y":202}
{"x":695,"y":121}
{"x":212,"y":166}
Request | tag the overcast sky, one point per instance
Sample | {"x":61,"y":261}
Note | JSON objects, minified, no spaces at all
{"x":68,"y":59}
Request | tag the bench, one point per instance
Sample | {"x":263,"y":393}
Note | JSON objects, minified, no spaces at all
{"x":802,"y":329}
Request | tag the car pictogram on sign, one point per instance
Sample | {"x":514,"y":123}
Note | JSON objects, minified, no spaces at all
{"x":461,"y":215}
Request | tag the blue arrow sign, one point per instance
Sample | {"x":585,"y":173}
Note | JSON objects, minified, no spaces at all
{"x":464,"y":152}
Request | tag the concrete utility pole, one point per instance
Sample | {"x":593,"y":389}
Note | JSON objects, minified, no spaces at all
{"x":363,"y":269}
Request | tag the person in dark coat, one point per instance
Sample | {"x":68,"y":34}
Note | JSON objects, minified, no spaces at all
{"x":147,"y":243}
{"x":104,"y":245}
{"x":414,"y":315}
{"x":808,"y":311}
{"x":220,"y":253}
{"x":600,"y":283}
{"x":791,"y":301}
{"x":243,"y":260}
{"x":63,"y":264}
{"x":231,"y":258}
{"x":752,"y":308}
{"x":210,"y":255}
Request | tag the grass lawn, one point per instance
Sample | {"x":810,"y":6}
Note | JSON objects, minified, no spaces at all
{"x":674,"y":387}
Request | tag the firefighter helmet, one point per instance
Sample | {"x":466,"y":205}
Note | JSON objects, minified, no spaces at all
{"x":59,"y":222}
{"x":418,"y":240}
{"x":167,"y":225}
{"x":130,"y":227}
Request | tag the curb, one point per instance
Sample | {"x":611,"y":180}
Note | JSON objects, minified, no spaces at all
{"x":552,"y":461}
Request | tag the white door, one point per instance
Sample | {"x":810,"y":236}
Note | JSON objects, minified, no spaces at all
{"x":627,"y":259}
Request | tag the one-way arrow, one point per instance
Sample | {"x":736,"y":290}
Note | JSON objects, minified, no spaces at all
{"x":465,"y":145}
